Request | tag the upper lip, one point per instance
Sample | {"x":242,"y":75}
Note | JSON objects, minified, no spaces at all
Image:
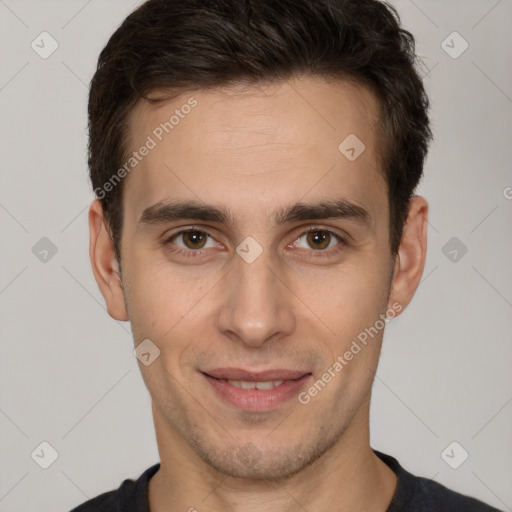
{"x":252,"y":376}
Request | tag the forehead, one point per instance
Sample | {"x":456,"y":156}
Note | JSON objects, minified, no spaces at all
{"x":256,"y":147}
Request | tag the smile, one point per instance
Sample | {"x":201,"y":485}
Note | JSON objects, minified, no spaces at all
{"x":245,"y":384}
{"x":257,"y":392}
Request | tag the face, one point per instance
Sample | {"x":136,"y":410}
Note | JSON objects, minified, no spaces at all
{"x":255,"y":252}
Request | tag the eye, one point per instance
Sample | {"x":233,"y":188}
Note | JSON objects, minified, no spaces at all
{"x":192,"y":239}
{"x":318,"y":239}
{"x":192,"y":242}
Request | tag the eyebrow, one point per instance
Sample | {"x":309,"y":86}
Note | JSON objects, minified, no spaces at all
{"x":194,"y":210}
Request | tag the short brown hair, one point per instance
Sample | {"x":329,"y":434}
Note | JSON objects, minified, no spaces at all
{"x":186,"y":45}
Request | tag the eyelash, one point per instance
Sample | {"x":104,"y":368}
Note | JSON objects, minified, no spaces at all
{"x":191,"y":253}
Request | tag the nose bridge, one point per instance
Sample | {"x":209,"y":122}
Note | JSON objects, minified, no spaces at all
{"x":256,"y":306}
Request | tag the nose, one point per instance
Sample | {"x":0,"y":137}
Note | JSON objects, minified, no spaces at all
{"x":256,"y":305}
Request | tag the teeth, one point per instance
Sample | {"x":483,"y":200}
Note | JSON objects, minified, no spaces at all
{"x":245,"y":384}
{"x":268,"y":385}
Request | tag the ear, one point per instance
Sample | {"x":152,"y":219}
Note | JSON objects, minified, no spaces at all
{"x":410,"y":259}
{"x":104,"y":263}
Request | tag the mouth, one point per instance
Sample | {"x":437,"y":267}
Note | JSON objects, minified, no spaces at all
{"x":256,"y":391}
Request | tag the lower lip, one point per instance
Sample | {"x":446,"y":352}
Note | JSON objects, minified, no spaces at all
{"x":257,"y":400}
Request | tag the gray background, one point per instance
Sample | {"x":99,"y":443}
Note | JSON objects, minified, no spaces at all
{"x":68,"y":374}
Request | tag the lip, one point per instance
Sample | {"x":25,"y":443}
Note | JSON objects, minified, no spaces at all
{"x":263,"y":376}
{"x":256,"y":400}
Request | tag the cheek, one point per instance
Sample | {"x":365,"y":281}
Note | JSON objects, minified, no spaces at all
{"x":163,"y":300}
{"x":353,"y":308}
{"x":153,"y":299}
{"x":347,"y":298}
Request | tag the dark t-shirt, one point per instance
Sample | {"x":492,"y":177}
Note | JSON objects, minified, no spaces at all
{"x":412,"y":494}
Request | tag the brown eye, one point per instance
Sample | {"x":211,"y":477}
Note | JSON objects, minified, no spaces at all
{"x":194,"y":239}
{"x":318,"y":239}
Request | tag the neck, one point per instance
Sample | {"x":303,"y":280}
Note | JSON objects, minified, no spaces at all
{"x":349,"y":475}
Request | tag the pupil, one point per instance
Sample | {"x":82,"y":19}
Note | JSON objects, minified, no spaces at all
{"x":195,"y":238}
{"x":319,"y":238}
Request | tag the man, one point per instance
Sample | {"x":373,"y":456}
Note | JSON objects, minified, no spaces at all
{"x":255,"y":165}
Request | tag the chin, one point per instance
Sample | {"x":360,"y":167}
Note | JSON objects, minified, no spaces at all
{"x":268,"y":467}
{"x":259,"y":462}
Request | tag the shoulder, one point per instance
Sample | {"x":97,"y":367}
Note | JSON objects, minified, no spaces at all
{"x":131,"y":496}
{"x":108,"y":501}
{"x":441,"y":498}
{"x":419,"y":494}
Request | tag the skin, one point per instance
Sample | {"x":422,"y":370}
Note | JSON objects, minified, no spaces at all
{"x":255,"y":151}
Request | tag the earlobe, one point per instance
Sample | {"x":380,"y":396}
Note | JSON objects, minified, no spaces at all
{"x":410,"y":260}
{"x":104,"y":263}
